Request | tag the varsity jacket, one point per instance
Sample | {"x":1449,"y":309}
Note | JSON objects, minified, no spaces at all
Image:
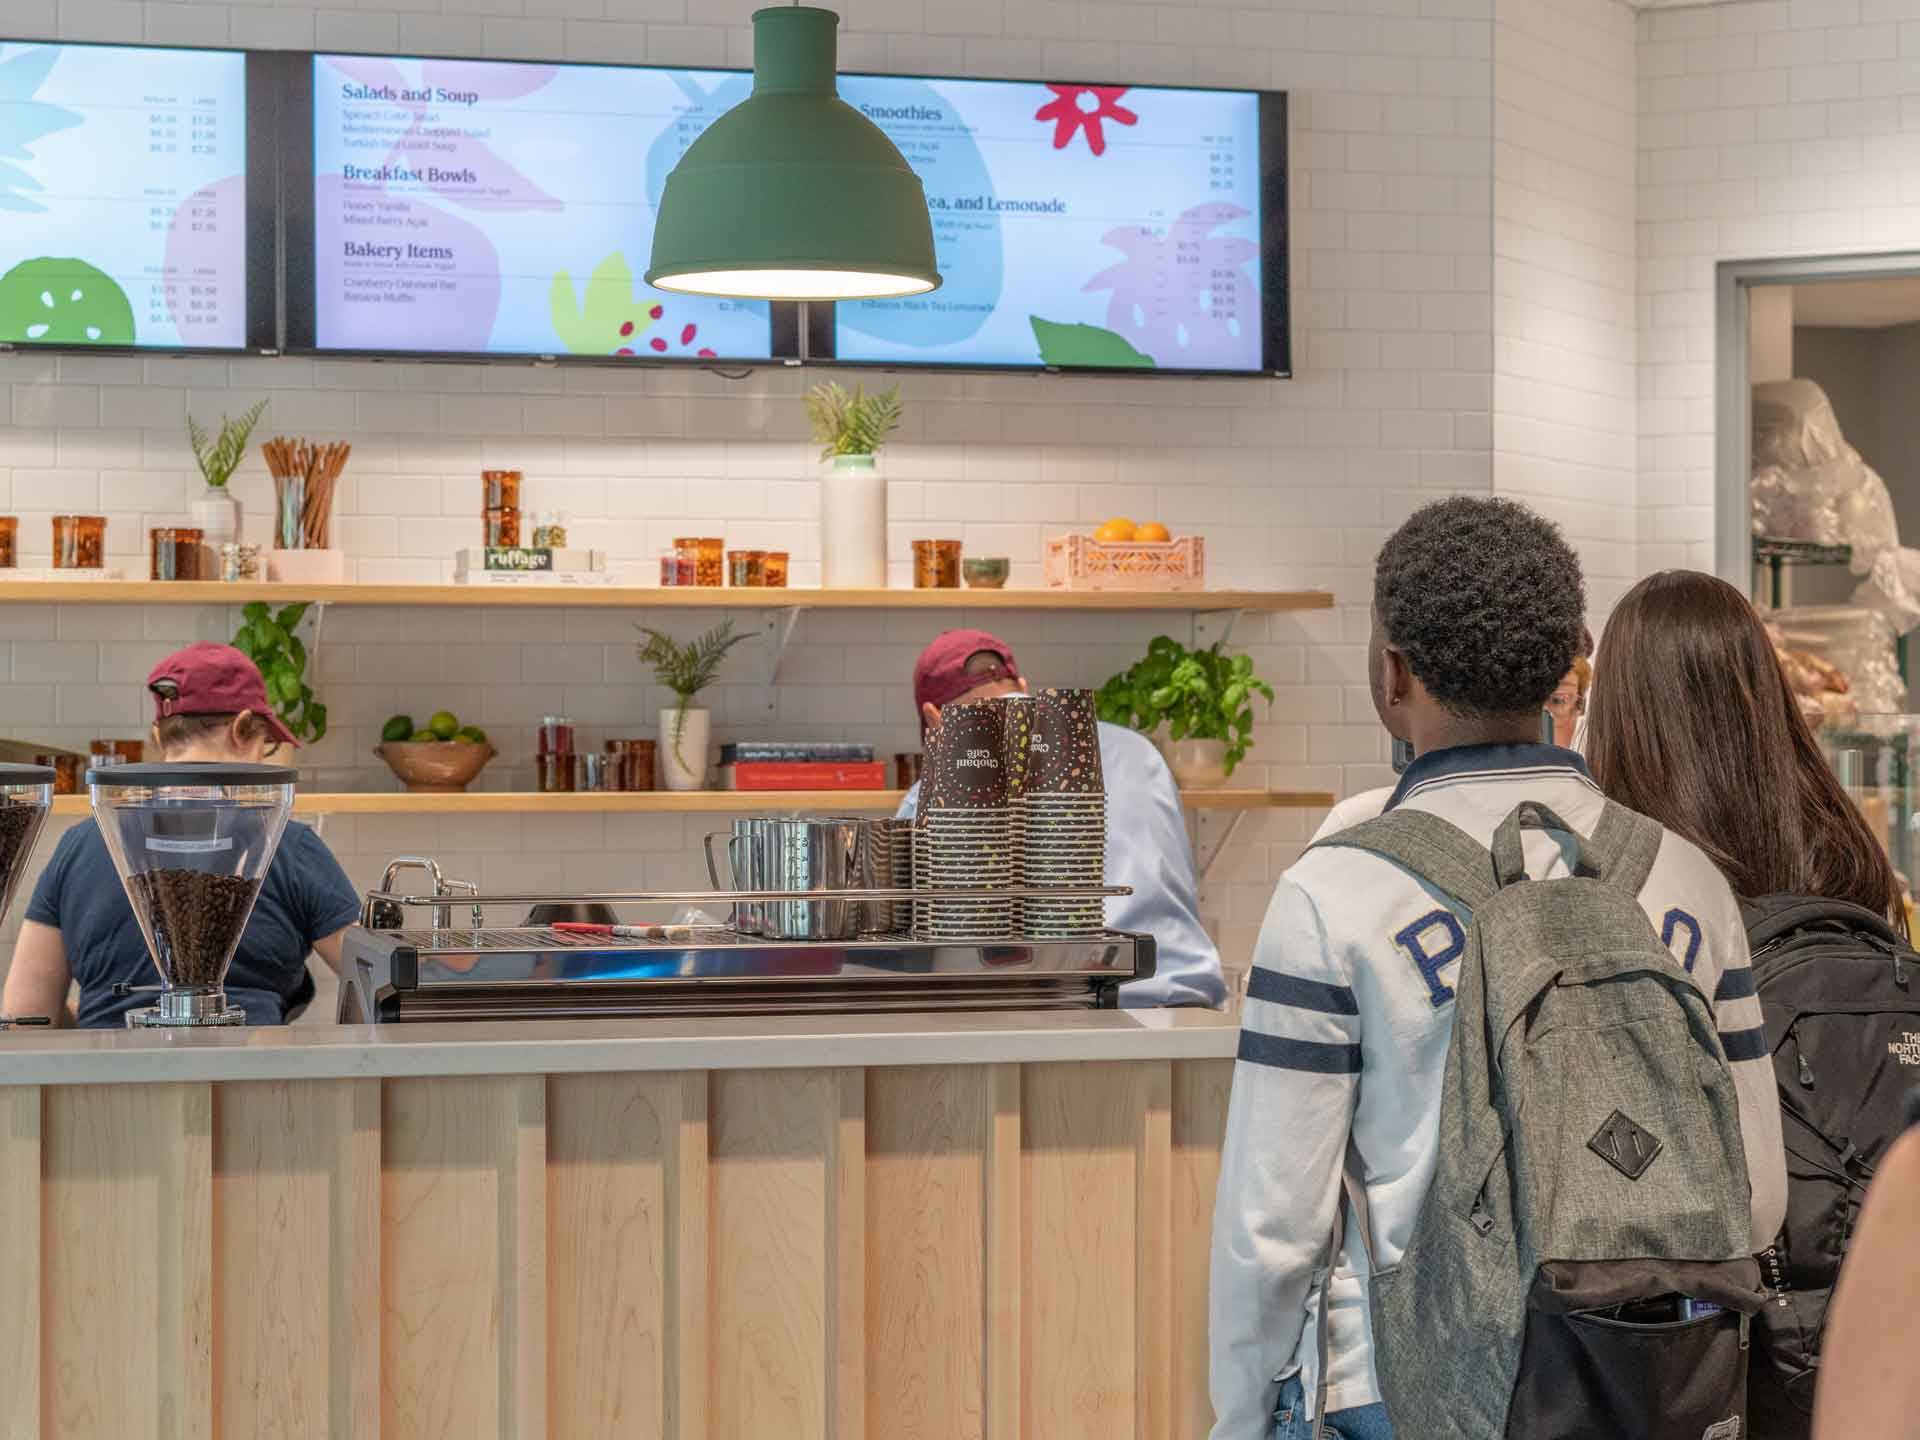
{"x":1343,"y":1041}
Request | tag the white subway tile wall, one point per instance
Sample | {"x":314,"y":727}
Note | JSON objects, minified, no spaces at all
{"x":1767,"y":128}
{"x":1448,"y":253}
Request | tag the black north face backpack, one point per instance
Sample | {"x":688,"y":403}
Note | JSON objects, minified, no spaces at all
{"x":1840,"y":990}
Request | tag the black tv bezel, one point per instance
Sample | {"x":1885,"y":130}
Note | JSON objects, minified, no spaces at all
{"x":301,"y":302}
{"x":261,"y":226}
{"x":1275,"y":257}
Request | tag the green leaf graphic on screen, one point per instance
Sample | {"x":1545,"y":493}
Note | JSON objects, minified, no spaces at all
{"x":1085,"y":345}
{"x":607,"y":318}
{"x":63,"y":302}
{"x":24,"y":120}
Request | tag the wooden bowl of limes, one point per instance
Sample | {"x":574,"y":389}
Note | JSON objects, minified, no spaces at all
{"x":442,"y":757}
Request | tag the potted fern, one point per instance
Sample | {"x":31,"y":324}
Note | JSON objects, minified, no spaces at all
{"x":850,"y":426}
{"x":686,"y":670}
{"x":216,"y":514}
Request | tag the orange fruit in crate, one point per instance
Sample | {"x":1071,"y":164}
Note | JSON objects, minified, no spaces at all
{"x":1152,"y":530}
{"x":1116,"y":531}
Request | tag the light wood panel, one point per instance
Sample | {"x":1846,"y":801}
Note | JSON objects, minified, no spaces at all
{"x":1153,"y":1250}
{"x":127,"y":1263}
{"x":688,"y":802}
{"x":1080,"y":1126}
{"x":463,"y":1259}
{"x":915,"y":1253}
{"x":296,"y":1191}
{"x":927,"y":1129}
{"x":611,"y":1141}
{"x":187,"y":592}
{"x":20,"y":1151}
{"x":773,"y":1137}
{"x":1200,"y":1092}
{"x":1004,"y":1199}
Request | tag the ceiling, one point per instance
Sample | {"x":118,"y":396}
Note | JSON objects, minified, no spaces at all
{"x":1857,"y":304}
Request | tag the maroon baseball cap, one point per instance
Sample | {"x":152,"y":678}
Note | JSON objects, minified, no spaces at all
{"x":210,"y":679}
{"x":940,"y":676}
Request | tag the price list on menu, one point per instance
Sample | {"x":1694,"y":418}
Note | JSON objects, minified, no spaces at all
{"x":133,"y":231}
{"x":1097,"y":226}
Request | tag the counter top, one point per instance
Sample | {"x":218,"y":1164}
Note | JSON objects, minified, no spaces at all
{"x":543,"y":1047}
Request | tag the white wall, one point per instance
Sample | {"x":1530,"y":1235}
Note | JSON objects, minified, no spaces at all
{"x":1767,"y":128}
{"x":1293,"y":483}
{"x":1563,"y":268}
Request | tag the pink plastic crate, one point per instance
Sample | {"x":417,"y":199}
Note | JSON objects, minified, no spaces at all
{"x":1079,"y":562}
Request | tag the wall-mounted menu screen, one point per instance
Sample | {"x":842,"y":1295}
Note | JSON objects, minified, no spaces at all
{"x":479,"y":208}
{"x":128,"y":214}
{"x":1085,"y":227}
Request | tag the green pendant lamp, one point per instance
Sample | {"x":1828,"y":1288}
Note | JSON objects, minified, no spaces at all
{"x":793,"y":194}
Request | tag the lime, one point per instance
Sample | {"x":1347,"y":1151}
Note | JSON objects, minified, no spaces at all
{"x":63,"y":302}
{"x":424,"y":736}
{"x":444,"y":725}
{"x":464,"y":739}
{"x":400,"y":727}
{"x":473,"y":733}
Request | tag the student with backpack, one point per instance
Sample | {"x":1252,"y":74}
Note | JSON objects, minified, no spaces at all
{"x":1546,"y":1099}
{"x":1694,"y":724}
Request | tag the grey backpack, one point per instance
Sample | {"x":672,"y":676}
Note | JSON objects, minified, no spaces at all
{"x":1581,"y":1265}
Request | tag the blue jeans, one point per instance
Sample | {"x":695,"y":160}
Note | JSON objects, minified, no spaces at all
{"x":1365,"y":1422}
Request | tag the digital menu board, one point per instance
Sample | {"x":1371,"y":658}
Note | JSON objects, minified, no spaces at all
{"x":1103,"y":227}
{"x":488,"y":208}
{"x":124,"y":199}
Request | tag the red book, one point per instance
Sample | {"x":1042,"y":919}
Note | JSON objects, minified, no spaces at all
{"x":803,"y":775}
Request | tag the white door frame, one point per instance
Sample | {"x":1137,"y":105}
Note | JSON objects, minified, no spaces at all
{"x":1732,"y":389}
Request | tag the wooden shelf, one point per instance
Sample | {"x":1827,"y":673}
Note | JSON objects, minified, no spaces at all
{"x":186,"y":592}
{"x":699,"y":802}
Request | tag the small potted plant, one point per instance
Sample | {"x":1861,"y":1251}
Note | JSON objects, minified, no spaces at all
{"x":269,"y":639}
{"x":1204,"y":698}
{"x":686,"y":670}
{"x":850,"y":426}
{"x":216,"y":514}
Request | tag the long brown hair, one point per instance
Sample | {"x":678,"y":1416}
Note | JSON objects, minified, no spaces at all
{"x":1691,"y":722}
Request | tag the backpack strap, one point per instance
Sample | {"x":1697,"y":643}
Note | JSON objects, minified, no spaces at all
{"x":1621,"y":850}
{"x":1626,"y":843}
{"x":1436,"y":850}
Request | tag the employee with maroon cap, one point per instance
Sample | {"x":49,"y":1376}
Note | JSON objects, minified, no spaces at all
{"x":209,"y":704}
{"x":1147,"y":846}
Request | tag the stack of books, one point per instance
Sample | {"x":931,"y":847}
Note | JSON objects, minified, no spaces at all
{"x":800,"y":765}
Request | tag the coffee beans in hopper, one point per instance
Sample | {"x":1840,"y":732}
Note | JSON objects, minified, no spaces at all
{"x":195,"y":919}
{"x":18,"y":826}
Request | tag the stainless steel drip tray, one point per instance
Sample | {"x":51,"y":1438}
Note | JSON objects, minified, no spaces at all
{"x":489,"y":958}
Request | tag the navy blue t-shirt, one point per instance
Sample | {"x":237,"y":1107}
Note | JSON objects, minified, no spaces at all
{"x":307,"y":897}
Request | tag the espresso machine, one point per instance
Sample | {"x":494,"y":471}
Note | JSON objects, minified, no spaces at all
{"x":192,"y":842}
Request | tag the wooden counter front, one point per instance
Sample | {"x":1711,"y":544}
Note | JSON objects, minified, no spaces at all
{"x":979,"y":1250}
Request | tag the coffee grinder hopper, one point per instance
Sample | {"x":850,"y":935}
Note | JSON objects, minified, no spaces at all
{"x":192,"y":843}
{"x":26,"y":794}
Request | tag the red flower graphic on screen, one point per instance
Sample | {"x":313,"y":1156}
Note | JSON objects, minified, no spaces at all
{"x":1085,"y":107}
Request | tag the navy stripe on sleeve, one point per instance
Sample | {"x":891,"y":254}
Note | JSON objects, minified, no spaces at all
{"x":1312,"y":1056}
{"x":1284,"y":989}
{"x":1734,"y":984}
{"x":1745,"y":1044}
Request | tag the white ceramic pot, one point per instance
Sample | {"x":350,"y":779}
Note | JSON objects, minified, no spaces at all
{"x":683,"y":747}
{"x":1198,"y":764}
{"x":216,"y":515}
{"x":853,"y":525}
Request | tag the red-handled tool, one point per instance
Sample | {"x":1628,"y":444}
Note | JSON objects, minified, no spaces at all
{"x":626,"y":932}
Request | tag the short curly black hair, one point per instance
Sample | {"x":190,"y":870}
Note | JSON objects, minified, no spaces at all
{"x":1486,"y":602}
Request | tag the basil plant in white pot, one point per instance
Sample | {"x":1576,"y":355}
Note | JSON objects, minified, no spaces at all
{"x":850,"y":426}
{"x":686,"y":732}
